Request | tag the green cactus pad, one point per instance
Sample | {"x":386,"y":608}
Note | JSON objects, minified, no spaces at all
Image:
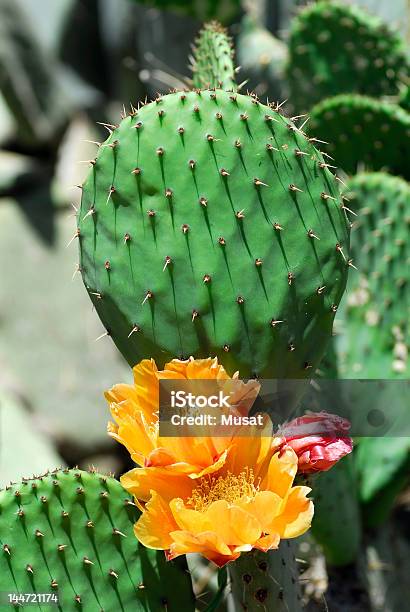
{"x":70,"y":533}
{"x":210,"y":225}
{"x":336,"y":48}
{"x":212,"y":62}
{"x":363,"y":130}
{"x":382,"y":464}
{"x":404,"y":99}
{"x":202,"y":10}
{"x":375,"y":338}
{"x":266,"y":581}
{"x":337,"y":524}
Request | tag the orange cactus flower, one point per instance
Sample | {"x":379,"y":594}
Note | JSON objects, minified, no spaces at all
{"x":218,"y":496}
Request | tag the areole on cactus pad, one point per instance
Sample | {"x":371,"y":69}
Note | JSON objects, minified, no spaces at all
{"x":211,"y":225}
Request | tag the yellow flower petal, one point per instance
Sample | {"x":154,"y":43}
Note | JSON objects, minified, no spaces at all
{"x":264,"y":507}
{"x":155,"y":525}
{"x":188,"y":519}
{"x":207,"y":543}
{"x":160,"y":457}
{"x":232,"y":524}
{"x":141,"y":481}
{"x":205,"y":369}
{"x":281,"y":472}
{"x":297,"y":515}
{"x":268,"y":542}
{"x":133,"y":431}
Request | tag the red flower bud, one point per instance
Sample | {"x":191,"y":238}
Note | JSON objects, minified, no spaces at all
{"x":319,"y":440}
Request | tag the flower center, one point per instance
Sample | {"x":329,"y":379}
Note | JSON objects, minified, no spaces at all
{"x":230,"y":488}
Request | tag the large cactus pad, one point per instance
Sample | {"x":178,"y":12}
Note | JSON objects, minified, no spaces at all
{"x":376,"y":338}
{"x":336,"y":48}
{"x":70,"y":534}
{"x":210,"y":225}
{"x":362,"y":130}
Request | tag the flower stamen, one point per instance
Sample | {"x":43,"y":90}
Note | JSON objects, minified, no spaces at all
{"x":230,"y":488}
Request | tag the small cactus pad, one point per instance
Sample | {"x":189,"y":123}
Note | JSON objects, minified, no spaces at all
{"x":360,"y":129}
{"x":70,"y":533}
{"x":266,"y":581}
{"x":376,"y":338}
{"x":210,"y":225}
{"x":212,"y":62}
{"x":337,"y":523}
{"x":335,"y":48}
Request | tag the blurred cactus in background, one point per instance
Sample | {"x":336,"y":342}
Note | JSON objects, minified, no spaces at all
{"x":68,"y":71}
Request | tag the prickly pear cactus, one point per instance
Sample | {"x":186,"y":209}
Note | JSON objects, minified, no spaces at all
{"x":361,"y":129}
{"x":336,"y":48}
{"x":337,"y":523}
{"x":70,"y":533}
{"x":376,"y":334}
{"x":200,"y":9}
{"x":212,"y":62}
{"x":266,"y":581}
{"x":210,"y":225}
